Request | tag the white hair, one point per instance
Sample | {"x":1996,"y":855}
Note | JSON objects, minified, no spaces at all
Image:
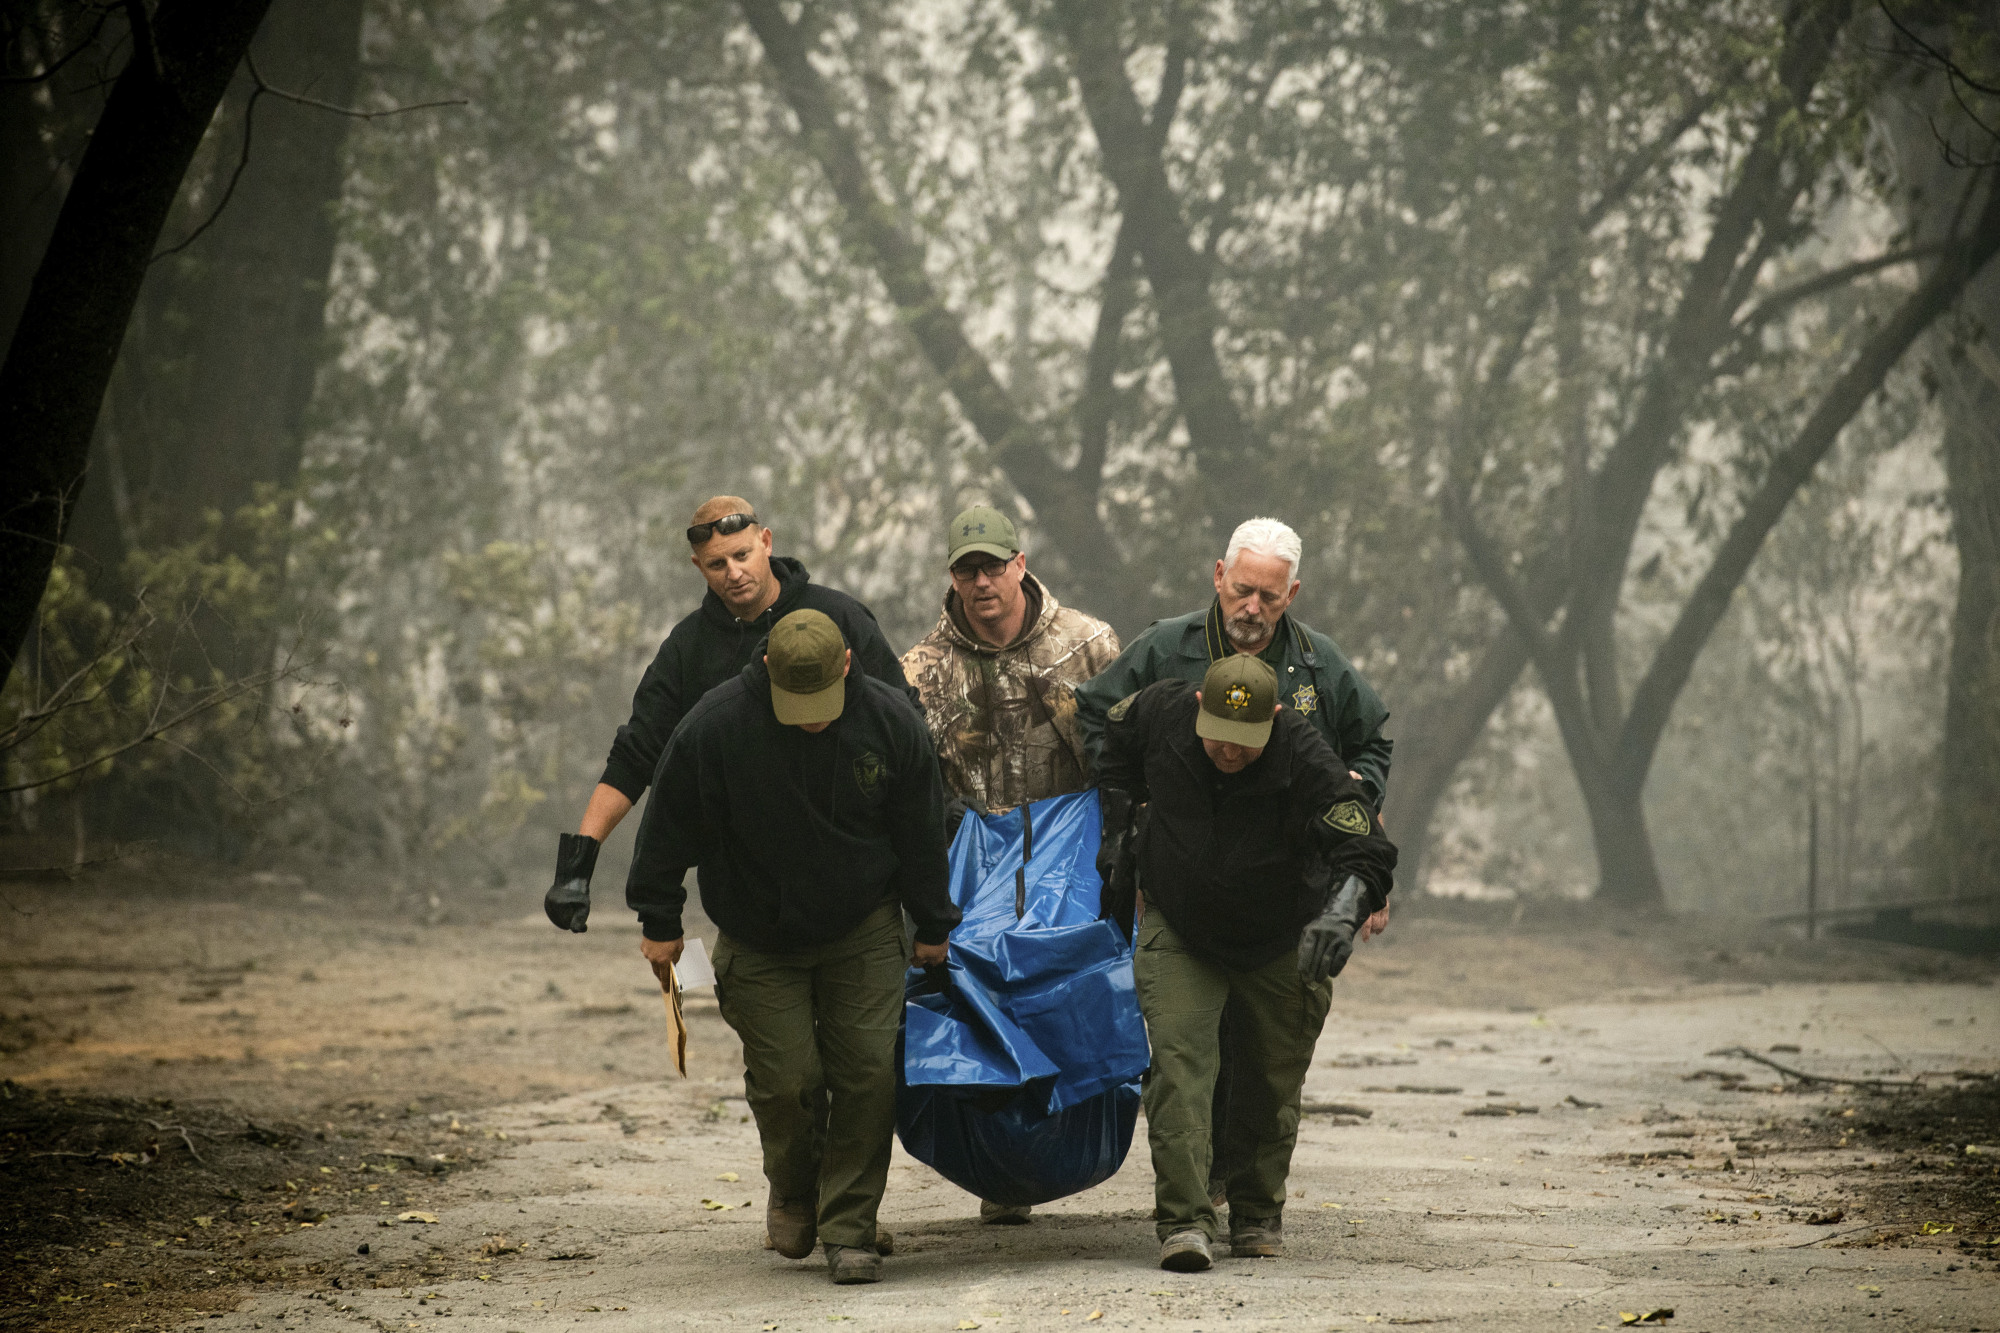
{"x":1264,"y":536}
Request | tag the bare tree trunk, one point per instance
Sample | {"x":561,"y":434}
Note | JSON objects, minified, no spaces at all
{"x":1969,"y":799}
{"x":1230,"y":456}
{"x":260,"y":339}
{"x":1628,"y":874}
{"x":1437,"y":740}
{"x":66,"y":342}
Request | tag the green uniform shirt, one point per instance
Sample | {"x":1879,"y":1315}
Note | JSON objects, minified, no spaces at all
{"x":1314,"y":677}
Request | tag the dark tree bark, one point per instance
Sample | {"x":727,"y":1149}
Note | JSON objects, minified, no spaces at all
{"x":67,"y":339}
{"x":260,"y":337}
{"x":1932,"y":134}
{"x":1969,"y":795}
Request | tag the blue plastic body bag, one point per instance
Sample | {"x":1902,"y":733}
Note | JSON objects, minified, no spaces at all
{"x":1020,"y":1073}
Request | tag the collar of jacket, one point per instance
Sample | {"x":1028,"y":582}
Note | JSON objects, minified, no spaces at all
{"x":1215,"y":639}
{"x":1041,"y":605}
{"x":792,"y":581}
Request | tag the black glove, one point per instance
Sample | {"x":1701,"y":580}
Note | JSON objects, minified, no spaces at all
{"x":955,"y":811}
{"x":1328,"y":941}
{"x":568,"y":899}
{"x":1117,"y":808}
{"x":1118,"y":859}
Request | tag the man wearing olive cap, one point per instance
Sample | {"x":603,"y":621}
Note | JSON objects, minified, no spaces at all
{"x":998,"y":676}
{"x":1262,"y":857}
{"x":997,"y":679}
{"x":807,"y":794}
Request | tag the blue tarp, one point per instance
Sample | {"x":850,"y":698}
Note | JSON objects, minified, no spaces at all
{"x":1020,"y":1071}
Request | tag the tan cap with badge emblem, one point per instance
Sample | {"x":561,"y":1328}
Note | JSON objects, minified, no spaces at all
{"x":808,"y":663}
{"x":1239,"y":697}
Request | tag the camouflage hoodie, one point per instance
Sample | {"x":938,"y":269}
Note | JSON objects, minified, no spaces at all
{"x":1004,"y":719}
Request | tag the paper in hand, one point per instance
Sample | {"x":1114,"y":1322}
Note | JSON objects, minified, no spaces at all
{"x":677,"y":1033}
{"x":694,"y":970}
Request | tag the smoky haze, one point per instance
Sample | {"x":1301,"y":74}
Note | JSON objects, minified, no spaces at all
{"x":1629,"y":369}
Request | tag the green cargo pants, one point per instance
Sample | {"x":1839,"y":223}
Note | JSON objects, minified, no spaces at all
{"x":1276,"y":1020}
{"x":819,"y":1064}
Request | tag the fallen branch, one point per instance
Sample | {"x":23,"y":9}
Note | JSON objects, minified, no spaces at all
{"x":182,"y":1131}
{"x":1804,"y":1077}
{"x":1852,"y":1231}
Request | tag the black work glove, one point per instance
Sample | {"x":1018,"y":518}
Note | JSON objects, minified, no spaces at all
{"x":568,"y":899}
{"x":1117,"y":809}
{"x":1328,"y":941}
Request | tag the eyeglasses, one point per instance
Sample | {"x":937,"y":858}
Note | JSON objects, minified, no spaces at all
{"x":727,"y":525}
{"x":969,"y":572}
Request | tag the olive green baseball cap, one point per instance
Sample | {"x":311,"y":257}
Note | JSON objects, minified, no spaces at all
{"x":808,"y":664}
{"x":981,"y":528}
{"x":1239,"y":697}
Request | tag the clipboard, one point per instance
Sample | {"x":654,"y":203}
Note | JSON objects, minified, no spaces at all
{"x":694,"y":969}
{"x":677,"y":1033}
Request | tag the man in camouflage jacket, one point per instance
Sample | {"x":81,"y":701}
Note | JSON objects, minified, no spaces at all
{"x":998,"y":675}
{"x":997,"y":679}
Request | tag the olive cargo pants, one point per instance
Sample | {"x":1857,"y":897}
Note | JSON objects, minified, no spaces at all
{"x":1276,"y":1019}
{"x":819,"y":1032}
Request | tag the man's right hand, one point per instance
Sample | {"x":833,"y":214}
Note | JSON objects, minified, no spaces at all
{"x":568,"y":899}
{"x":663,"y":954}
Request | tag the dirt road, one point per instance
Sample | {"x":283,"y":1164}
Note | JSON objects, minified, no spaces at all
{"x":578,"y":1188}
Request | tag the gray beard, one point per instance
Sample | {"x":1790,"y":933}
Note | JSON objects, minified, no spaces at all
{"x":1248,"y":634}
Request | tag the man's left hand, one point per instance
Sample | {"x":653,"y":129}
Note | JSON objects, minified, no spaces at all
{"x":929,"y":955}
{"x":1375,"y":924}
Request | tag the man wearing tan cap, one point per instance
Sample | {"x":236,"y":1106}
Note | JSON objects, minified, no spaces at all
{"x":749,"y":590}
{"x":807,"y":794}
{"x":1262,"y":857}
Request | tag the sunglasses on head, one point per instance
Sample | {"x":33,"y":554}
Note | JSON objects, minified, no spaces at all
{"x":725,"y":526}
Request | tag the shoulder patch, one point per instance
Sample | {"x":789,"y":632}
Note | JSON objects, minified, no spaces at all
{"x":1117,"y":711}
{"x":1348,"y":817}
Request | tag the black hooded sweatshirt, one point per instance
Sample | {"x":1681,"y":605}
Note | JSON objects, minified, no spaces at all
{"x":799,"y":835}
{"x":1238,"y":863}
{"x":710,"y":645}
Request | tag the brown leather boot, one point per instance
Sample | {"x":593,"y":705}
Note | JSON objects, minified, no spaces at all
{"x":791,"y":1227}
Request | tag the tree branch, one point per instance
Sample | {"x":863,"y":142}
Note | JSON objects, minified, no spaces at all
{"x":1653,"y":701}
{"x":1068,"y":510}
{"x":49,"y":71}
{"x":1786,"y":297}
{"x":1225,"y":448}
{"x":243,"y":159}
{"x":1120,"y":293}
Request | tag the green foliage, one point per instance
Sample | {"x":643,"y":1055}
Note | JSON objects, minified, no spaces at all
{"x":132,"y":691}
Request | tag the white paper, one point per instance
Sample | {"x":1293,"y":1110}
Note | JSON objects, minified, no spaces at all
{"x":694,"y":969}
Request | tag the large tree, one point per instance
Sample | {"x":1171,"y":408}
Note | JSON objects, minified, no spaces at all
{"x":72,"y":323}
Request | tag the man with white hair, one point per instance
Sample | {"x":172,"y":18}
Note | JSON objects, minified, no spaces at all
{"x":1256,"y":580}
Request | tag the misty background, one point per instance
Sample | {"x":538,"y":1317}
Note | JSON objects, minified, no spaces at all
{"x":1625,"y":365}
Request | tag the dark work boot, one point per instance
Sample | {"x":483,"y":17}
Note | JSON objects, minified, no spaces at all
{"x":1256,"y":1238}
{"x":1186,"y":1252}
{"x":792,"y":1226}
{"x":848,"y":1264}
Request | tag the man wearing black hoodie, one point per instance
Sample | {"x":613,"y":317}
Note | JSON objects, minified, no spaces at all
{"x":807,"y":793}
{"x":749,"y":590}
